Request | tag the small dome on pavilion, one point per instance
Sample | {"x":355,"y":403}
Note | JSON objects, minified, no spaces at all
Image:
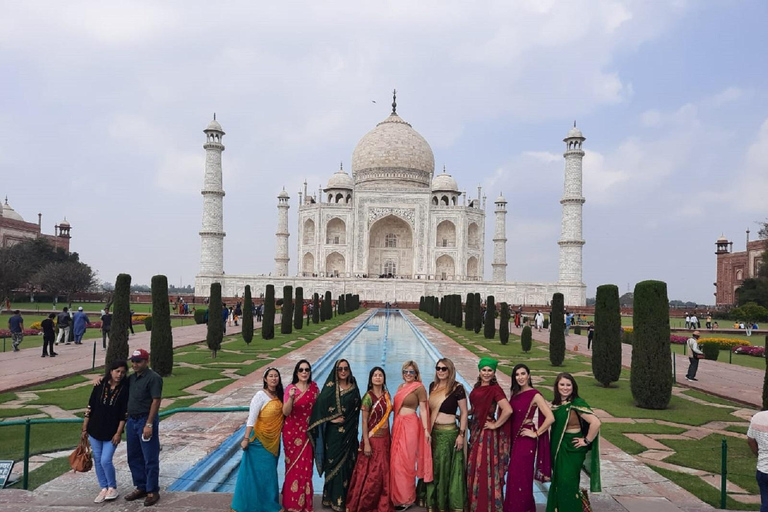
{"x":444,"y":183}
{"x":500,"y":199}
{"x":283,"y":195}
{"x":574,"y":133}
{"x":722,"y":239}
{"x":340,"y":179}
{"x":214,"y":126}
{"x":64,"y":223}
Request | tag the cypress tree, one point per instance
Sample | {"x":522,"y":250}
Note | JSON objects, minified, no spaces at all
{"x":342,"y":305}
{"x":477,"y":316}
{"x":557,"y":331}
{"x":247,"y":331}
{"x":286,"y":319}
{"x":441,"y":309}
{"x":328,"y":303}
{"x":121,"y":320}
{"x":765,"y":378}
{"x":526,"y":338}
{"x":469,"y":309}
{"x":349,"y":303}
{"x":161,"y":340}
{"x":268,"y":319}
{"x":651,"y":375}
{"x":315,"y":309}
{"x":215,"y":321}
{"x":421,"y":303}
{"x":606,"y":348}
{"x":298,"y":306}
{"x":504,"y":324}
{"x":459,"y":312}
{"x":490,"y":318}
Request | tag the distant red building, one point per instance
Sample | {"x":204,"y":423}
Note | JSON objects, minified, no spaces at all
{"x":14,"y":229}
{"x":734,"y":267}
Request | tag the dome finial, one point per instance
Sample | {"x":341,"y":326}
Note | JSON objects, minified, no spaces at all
{"x":574,"y":123}
{"x":214,"y":117}
{"x":394,"y":101}
{"x":443,"y":168}
{"x":341,"y":166}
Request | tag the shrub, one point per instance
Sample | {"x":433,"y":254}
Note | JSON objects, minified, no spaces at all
{"x":342,"y":304}
{"x":36,"y":326}
{"x":328,"y":305}
{"x":469,"y":309}
{"x":557,"y":333}
{"x":651,"y":374}
{"x":577,"y":330}
{"x":316,"y":308}
{"x":526,"y":339}
{"x":286,"y":318}
{"x":215,"y":321}
{"x":627,"y":337}
{"x":121,"y":320}
{"x":268,"y":320}
{"x":711,"y":351}
{"x":606,"y":346}
{"x":750,"y":351}
{"x":298,"y":306}
{"x":200,"y":315}
{"x":546,"y":323}
{"x":161,"y":340}
{"x":148,"y":324}
{"x":247,"y":330}
{"x":477,"y":314}
{"x":723,"y":343}
{"x":490,"y":318}
{"x":421,"y":303}
{"x":504,"y":324}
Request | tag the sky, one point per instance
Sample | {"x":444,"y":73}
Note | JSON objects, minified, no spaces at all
{"x":102,"y":107}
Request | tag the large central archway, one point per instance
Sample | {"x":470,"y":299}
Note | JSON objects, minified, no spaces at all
{"x":390,"y":247}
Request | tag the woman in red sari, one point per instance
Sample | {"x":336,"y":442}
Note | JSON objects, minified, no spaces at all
{"x":529,"y":456}
{"x":488,"y":442}
{"x":411,"y":451}
{"x":299,"y":398}
{"x":369,"y":486}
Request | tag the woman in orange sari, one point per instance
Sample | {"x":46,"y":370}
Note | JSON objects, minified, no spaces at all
{"x":298,"y":400}
{"x":411,"y":450}
{"x":256,"y":489}
{"x":369,"y":486}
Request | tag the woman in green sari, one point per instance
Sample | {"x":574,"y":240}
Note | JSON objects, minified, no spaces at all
{"x":333,"y":433}
{"x":570,"y":448}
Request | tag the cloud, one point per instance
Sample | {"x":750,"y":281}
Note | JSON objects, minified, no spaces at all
{"x":749,"y":188}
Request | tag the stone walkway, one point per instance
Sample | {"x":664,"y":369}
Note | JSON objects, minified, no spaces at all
{"x":629,"y":484}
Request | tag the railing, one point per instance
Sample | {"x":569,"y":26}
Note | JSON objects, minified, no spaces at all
{"x":29,"y":422}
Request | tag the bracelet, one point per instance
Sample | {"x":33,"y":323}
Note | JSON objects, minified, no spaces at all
{"x":587,"y":441}
{"x":462,"y":433}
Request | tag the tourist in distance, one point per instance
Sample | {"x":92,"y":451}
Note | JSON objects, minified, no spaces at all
{"x":63,"y":323}
{"x":569,"y":446}
{"x":104,"y":424}
{"x":695,"y":353}
{"x":529,"y":455}
{"x":489,"y":443}
{"x":333,"y":430}
{"x":411,"y":450}
{"x":369,"y":486}
{"x":49,"y":334}
{"x":448,"y":490}
{"x":298,"y":400}
{"x":80,"y":324}
{"x":539,"y":320}
{"x":16,"y":326}
{"x":256,"y":489}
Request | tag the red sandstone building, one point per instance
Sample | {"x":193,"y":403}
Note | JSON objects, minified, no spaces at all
{"x":734,"y":267}
{"x":14,"y":229}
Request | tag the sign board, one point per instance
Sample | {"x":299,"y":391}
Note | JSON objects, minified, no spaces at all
{"x":5,"y":471}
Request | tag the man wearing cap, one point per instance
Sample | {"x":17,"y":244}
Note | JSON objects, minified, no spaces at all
{"x":695,"y":355}
{"x":80,"y":322}
{"x":145,"y":389}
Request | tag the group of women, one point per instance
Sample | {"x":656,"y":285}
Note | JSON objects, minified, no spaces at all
{"x":427,"y":457}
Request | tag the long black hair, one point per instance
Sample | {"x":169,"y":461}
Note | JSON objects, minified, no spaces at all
{"x":296,"y":371}
{"x":117,"y":363}
{"x":370,"y":378}
{"x":574,"y":394}
{"x":515,"y":386}
{"x":279,"y":390}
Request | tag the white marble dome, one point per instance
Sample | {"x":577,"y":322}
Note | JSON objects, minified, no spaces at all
{"x":10,"y":213}
{"x":214,"y":126}
{"x":574,"y":133}
{"x":393,"y":156}
{"x":341,"y":180}
{"x":444,"y":183}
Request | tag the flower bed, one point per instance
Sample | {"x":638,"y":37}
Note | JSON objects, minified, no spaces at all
{"x":750,"y":350}
{"x":677,"y":340}
{"x":724,"y":343}
{"x":5,"y":333}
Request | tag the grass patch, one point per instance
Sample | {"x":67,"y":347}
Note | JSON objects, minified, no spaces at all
{"x":183,"y":377}
{"x":757,"y":363}
{"x":614,"y":432}
{"x":7,"y":397}
{"x":15,"y":413}
{"x":249,"y":369}
{"x":44,"y":438}
{"x":45,"y":473}
{"x":59,"y":384}
{"x":215,"y":386}
{"x":184,"y":402}
{"x":741,"y":429}
{"x":70,"y":399}
{"x":702,"y":490}
{"x":711,"y":399}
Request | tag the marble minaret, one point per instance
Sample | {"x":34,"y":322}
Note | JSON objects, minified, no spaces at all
{"x":212,"y":233}
{"x":571,"y":241}
{"x":500,"y":242}
{"x":281,"y":249}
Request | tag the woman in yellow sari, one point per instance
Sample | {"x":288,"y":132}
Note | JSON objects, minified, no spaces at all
{"x":256,"y":489}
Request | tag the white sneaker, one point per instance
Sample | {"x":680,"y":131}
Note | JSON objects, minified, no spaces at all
{"x":112,"y":494}
{"x":100,"y":498}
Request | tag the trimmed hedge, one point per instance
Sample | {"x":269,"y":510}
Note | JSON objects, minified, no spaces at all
{"x":215,"y":321}
{"x":121,"y":320}
{"x":526,"y":339}
{"x":711,"y":351}
{"x":247,"y":330}
{"x":606,"y":346}
{"x":148,"y":323}
{"x":200,"y":316}
{"x":268,"y":319}
{"x":490,"y":318}
{"x":651,"y":373}
{"x":557,"y":333}
{"x":298,"y":306}
{"x":161,"y":340}
{"x":286,"y":319}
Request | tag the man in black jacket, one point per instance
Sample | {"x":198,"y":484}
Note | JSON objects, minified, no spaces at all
{"x":64,"y":323}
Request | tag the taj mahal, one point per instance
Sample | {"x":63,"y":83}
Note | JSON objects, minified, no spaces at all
{"x":393,"y":230}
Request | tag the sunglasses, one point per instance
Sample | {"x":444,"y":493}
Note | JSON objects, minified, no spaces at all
{"x":304,"y":370}
{"x":409,"y":372}
{"x":342,"y":369}
{"x":441,"y":368}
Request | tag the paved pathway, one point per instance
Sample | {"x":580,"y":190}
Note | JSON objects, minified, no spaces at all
{"x":729,"y":381}
{"x":26,"y":367}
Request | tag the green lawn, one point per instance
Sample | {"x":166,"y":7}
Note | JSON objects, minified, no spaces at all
{"x":726,"y":357}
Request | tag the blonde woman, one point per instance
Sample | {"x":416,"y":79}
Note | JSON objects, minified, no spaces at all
{"x":411,"y":454}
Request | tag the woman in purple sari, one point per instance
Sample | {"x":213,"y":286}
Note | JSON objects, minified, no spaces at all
{"x":529,"y":457}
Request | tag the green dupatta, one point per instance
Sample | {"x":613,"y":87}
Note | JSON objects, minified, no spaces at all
{"x":592,"y":460}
